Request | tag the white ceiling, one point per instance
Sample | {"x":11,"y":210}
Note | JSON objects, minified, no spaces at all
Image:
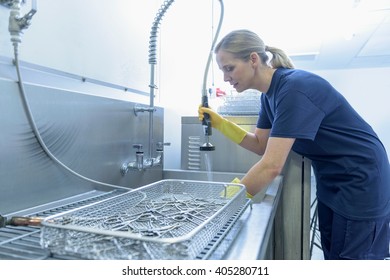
{"x":363,"y":39}
{"x":326,"y":34}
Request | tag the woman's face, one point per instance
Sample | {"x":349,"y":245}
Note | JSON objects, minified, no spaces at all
{"x":237,"y":72}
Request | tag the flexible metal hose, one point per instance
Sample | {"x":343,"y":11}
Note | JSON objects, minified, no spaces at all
{"x":35,"y":128}
{"x":204,"y":92}
{"x":206,"y":122}
{"x":153,"y":33}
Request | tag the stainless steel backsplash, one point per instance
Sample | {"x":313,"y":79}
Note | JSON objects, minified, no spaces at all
{"x":92,"y":135}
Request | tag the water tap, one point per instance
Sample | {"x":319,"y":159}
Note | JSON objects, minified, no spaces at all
{"x":142,"y":163}
{"x":138,"y":163}
{"x":139,"y":157}
{"x":18,"y":23}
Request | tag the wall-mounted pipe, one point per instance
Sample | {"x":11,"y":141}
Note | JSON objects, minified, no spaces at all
{"x":153,"y":61}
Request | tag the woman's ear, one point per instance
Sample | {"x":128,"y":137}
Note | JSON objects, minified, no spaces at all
{"x":254,"y":58}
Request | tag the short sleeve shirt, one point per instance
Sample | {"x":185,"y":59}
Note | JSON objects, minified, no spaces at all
{"x":349,"y":161}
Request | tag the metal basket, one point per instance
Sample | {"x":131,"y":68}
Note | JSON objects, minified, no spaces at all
{"x":245,"y":103}
{"x":169,"y":219}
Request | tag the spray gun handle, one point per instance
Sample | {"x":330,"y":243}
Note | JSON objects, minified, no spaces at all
{"x":205,"y":103}
{"x":206,"y":122}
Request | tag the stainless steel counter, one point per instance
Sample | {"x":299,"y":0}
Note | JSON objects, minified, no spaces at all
{"x":253,"y":239}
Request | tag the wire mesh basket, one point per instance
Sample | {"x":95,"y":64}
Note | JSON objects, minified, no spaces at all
{"x":245,"y":103}
{"x":169,"y":219}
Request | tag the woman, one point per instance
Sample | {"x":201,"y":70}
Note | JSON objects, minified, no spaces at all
{"x":302,"y":112}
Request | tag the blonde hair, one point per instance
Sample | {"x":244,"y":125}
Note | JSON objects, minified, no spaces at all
{"x":241,"y":43}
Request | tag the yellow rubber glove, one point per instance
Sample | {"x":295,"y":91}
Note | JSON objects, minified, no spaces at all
{"x":232,"y":190}
{"x":226,"y":127}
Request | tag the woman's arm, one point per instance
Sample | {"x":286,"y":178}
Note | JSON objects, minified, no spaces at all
{"x":269,"y":166}
{"x":256,"y":142}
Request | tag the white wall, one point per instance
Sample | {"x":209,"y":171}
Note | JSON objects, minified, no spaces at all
{"x":368,"y":92}
{"x":104,"y":40}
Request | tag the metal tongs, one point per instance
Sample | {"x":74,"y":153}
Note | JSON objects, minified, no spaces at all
{"x":20,"y":221}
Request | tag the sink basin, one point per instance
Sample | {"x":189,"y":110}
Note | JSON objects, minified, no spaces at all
{"x":200,"y":175}
{"x":206,"y":176}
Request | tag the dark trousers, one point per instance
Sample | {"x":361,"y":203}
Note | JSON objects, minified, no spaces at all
{"x":352,"y":239}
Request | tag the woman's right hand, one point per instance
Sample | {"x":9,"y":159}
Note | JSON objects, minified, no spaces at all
{"x":215,"y":119}
{"x":226,"y":127}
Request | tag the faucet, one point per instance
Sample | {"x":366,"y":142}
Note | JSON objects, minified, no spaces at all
{"x":160,"y":152}
{"x":18,"y":23}
{"x":140,"y":162}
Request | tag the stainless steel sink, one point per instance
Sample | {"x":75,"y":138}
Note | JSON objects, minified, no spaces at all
{"x":200,"y":175}
{"x":209,"y":176}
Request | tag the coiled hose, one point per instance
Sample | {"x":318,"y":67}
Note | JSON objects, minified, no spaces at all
{"x":153,"y":33}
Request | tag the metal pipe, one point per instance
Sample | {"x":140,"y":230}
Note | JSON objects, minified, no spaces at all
{"x":153,"y":61}
{"x":151,"y":111}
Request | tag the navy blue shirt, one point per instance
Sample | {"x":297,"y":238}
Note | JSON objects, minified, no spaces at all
{"x":349,"y":161}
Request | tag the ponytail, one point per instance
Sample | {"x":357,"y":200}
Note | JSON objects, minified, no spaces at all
{"x":279,"y":58}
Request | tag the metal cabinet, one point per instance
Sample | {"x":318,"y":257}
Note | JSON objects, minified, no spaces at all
{"x":227,"y":157}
